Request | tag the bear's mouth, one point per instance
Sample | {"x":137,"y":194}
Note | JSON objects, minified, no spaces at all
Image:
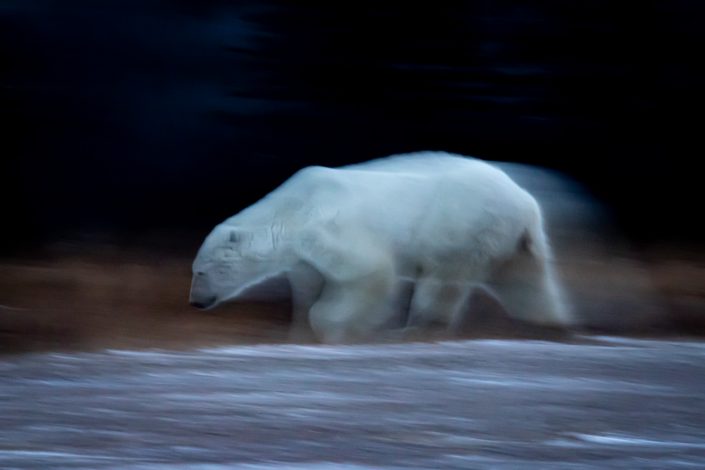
{"x":203,"y":304}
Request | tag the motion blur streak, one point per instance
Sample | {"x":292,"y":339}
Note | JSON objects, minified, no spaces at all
{"x":456,"y":405}
{"x":86,"y":294}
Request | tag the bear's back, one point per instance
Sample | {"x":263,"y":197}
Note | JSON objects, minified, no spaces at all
{"x":438,"y":171}
{"x":420,"y":163}
{"x":401,"y":182}
{"x":404,"y":193}
{"x":427,"y":193}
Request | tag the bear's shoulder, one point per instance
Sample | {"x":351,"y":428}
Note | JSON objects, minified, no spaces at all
{"x":314,"y":173}
{"x":313,"y":178}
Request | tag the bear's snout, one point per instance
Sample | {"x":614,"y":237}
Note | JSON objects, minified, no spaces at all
{"x":202,"y":296}
{"x":202,"y":303}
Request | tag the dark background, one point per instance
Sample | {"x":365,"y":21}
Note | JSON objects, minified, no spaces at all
{"x":123,"y":118}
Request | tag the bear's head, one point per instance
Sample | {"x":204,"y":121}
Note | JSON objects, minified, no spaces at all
{"x":231,"y":260}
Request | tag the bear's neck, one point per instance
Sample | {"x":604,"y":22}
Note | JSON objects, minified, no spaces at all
{"x":282,"y":219}
{"x":277,"y":238}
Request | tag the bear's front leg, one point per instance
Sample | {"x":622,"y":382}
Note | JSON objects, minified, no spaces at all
{"x":306,"y":286}
{"x":353,"y":310}
{"x":358,"y":281}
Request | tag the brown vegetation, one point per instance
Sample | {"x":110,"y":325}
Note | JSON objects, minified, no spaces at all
{"x":115,"y":298}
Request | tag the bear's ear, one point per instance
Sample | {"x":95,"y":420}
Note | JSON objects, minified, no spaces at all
{"x":234,"y":236}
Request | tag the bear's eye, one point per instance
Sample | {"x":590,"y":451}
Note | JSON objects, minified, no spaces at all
{"x":200,"y":273}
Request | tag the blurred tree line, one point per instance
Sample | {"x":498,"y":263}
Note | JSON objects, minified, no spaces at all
{"x":128,"y":116}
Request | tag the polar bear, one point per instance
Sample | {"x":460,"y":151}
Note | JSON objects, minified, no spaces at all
{"x":347,"y":237}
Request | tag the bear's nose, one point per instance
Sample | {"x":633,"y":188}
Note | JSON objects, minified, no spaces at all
{"x":202,"y":304}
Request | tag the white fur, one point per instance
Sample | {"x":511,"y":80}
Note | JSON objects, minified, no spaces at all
{"x":346,"y":236}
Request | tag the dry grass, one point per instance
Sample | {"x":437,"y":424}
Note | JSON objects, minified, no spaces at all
{"x":117,"y":299}
{"x":99,"y":301}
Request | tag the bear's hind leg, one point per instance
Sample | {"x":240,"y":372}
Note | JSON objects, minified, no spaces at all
{"x":527,"y":288}
{"x":436,"y":303}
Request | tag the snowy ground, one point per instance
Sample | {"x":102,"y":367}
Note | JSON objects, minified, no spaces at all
{"x":613,"y":403}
